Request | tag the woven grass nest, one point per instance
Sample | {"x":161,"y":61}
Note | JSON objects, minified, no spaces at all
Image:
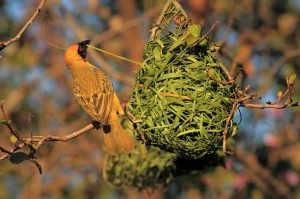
{"x":150,"y":167}
{"x":145,"y":167}
{"x":180,"y":104}
{"x":179,"y":101}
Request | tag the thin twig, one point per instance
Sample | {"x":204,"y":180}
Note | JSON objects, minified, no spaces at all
{"x":47,"y":138}
{"x":59,"y":138}
{"x":39,"y":139}
{"x":179,"y":7}
{"x":230,"y":22}
{"x":4,"y":44}
{"x":244,"y":97}
{"x":5,"y":151}
{"x":275,"y":106}
{"x":2,"y":109}
{"x":160,"y":19}
{"x":136,"y":126}
{"x":16,"y":148}
{"x":227,"y":73}
{"x":7,"y":124}
{"x":232,"y":111}
{"x":231,"y":81}
{"x":213,"y":27}
{"x":235,"y":62}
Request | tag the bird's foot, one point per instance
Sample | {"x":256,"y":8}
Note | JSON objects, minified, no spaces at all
{"x":96,"y":125}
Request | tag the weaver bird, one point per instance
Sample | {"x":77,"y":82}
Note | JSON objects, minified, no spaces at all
{"x":94,"y":91}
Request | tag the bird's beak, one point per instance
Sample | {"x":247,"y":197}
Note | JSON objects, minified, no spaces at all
{"x":82,"y":48}
{"x":84,"y":43}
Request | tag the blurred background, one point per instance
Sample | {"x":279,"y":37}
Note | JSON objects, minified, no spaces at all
{"x":261,"y":37}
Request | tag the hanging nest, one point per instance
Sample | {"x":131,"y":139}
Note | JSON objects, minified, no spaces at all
{"x":180,"y":103}
{"x":145,"y":167}
{"x":181,"y":99}
{"x":151,"y":167}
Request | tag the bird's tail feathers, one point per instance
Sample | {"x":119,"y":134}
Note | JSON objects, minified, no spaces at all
{"x":116,"y":139}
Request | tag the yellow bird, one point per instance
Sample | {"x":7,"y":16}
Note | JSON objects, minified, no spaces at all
{"x":94,"y":91}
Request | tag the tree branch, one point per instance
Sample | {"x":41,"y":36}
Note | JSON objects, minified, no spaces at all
{"x":159,"y":21}
{"x":287,"y":104}
{"x":241,"y":96}
{"x":4,"y":44}
{"x":23,"y":142}
{"x":41,"y":139}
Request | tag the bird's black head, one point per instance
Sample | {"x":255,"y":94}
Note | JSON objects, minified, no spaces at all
{"x":82,"y":48}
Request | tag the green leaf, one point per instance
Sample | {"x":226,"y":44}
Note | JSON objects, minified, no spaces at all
{"x":279,"y":94}
{"x":195,"y":30}
{"x":203,"y":42}
{"x":175,"y":45}
{"x":190,"y":40}
{"x":160,"y":43}
{"x":178,"y":42}
{"x":234,"y":130}
{"x":5,"y":121}
{"x":169,"y":76}
{"x":13,"y":139}
{"x":212,"y":47}
{"x":157,"y":53}
{"x":292,"y":79}
{"x":211,"y":72}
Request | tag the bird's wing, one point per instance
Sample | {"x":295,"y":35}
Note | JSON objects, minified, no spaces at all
{"x":95,"y":94}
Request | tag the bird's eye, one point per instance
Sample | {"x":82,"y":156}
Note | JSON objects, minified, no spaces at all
{"x":82,"y":51}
